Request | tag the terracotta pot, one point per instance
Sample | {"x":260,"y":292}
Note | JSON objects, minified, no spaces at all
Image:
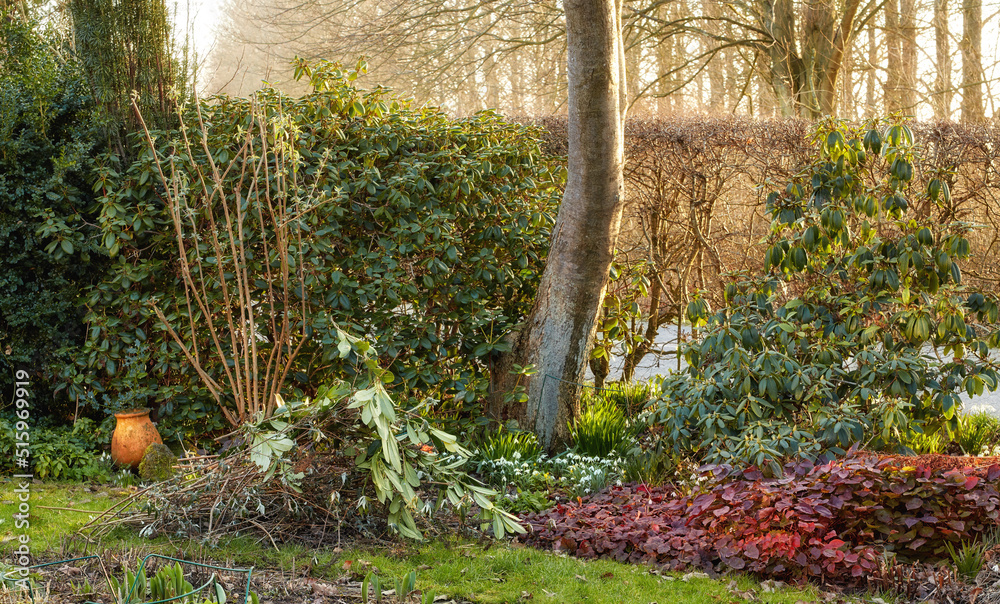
{"x":134,"y":432}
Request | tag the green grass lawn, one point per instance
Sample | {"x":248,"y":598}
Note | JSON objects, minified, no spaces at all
{"x":458,"y":568}
{"x":518,"y":574}
{"x":57,"y":511}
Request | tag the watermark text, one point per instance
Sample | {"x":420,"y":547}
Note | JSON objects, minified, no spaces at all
{"x":22,"y":481}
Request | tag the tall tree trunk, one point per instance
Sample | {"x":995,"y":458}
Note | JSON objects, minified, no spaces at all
{"x":779,"y":20}
{"x":716,"y":75}
{"x":894,"y":51}
{"x":558,"y":333}
{"x":600,"y":367}
{"x":870,"y":108}
{"x":665,"y":62}
{"x":765,"y":93}
{"x":942,"y":84}
{"x":830,"y":63}
{"x":908,"y":54}
{"x":633,"y":71}
{"x":738,"y":74}
{"x":817,"y":49}
{"x":972,"y":64}
{"x":491,"y":70}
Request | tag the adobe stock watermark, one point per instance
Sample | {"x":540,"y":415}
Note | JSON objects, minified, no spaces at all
{"x":22,"y":482}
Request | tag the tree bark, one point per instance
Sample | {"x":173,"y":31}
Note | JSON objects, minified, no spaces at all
{"x":943,"y":92}
{"x":600,"y":368}
{"x":894,"y":51}
{"x":972,"y":63}
{"x":804,"y":75}
{"x":908,"y":55}
{"x":557,"y":337}
{"x":870,"y":108}
{"x":831,"y":63}
{"x":716,"y":75}
{"x":665,"y":62}
{"x":633,"y":59}
{"x":779,"y":21}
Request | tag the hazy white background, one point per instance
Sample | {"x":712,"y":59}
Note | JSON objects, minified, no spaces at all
{"x":200,"y":19}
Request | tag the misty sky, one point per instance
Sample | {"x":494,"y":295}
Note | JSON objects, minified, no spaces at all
{"x":201,"y":17}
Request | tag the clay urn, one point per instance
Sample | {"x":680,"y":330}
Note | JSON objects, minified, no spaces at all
{"x":134,"y":432}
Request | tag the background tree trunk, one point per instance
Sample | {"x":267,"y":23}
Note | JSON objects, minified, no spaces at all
{"x":664,"y":63}
{"x":894,"y":62}
{"x":830,"y":62}
{"x":870,"y":81}
{"x":972,"y":65}
{"x":908,"y":54}
{"x":779,"y":21}
{"x":716,"y":77}
{"x":559,"y":331}
{"x":942,"y":84}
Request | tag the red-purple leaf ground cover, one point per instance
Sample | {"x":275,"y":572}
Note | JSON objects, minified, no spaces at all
{"x":829,"y":520}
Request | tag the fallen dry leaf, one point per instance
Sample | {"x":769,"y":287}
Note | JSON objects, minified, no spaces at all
{"x":324,"y":589}
{"x":694,"y":575}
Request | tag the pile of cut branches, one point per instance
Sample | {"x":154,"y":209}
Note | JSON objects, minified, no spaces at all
{"x":231,"y":495}
{"x":348,"y":458}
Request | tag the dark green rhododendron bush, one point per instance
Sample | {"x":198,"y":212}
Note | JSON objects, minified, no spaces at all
{"x":422,"y":233}
{"x":862,"y":330}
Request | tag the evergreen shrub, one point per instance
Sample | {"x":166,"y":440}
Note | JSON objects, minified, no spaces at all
{"x":861,"y":329}
{"x":423,"y":233}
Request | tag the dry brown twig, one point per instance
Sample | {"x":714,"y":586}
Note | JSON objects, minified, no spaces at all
{"x":230,"y":308}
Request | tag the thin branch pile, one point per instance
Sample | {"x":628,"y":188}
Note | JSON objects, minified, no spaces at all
{"x":347,"y":458}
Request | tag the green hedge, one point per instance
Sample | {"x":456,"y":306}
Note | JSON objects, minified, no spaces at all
{"x":422,"y":233}
{"x":48,"y":250}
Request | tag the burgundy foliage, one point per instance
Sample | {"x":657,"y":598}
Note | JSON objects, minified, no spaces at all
{"x":827,"y":520}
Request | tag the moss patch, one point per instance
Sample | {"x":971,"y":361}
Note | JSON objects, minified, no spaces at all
{"x":157,"y":463}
